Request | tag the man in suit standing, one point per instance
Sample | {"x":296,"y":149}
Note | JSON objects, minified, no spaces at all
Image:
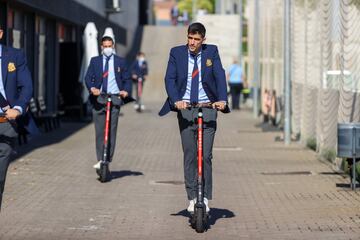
{"x":15,"y":94}
{"x":107,"y":73}
{"x":195,"y":77}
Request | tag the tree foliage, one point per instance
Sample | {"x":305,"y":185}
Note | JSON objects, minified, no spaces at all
{"x":208,"y":5}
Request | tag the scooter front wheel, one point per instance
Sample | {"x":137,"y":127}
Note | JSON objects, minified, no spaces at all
{"x":104,"y":172}
{"x":200,"y":220}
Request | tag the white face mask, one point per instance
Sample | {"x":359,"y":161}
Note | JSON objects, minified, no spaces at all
{"x":141,"y":59}
{"x":108,"y":51}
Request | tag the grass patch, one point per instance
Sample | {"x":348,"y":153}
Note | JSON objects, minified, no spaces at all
{"x":328,"y":154}
{"x":311,"y":143}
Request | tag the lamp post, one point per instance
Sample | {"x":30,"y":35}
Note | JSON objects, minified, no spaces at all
{"x":256,"y":61}
{"x":287,"y":72}
{"x":240,"y":31}
{"x":194,"y":9}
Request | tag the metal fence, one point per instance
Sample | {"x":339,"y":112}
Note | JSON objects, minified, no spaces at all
{"x":325,"y":63}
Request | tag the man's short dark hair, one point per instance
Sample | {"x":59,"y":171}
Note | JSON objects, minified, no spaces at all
{"x":107,"y":38}
{"x":197,"y":27}
{"x":140,"y":53}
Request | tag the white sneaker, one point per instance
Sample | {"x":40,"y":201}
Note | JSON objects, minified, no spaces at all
{"x":191,"y":206}
{"x":142,"y":107}
{"x":192,"y":203}
{"x":136,"y":106}
{"x":206,"y":201}
{"x":97,"y":165}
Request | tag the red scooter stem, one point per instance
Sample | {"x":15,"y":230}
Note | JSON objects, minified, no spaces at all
{"x":139,"y":87}
{"x":200,"y":144}
{"x":107,"y":124}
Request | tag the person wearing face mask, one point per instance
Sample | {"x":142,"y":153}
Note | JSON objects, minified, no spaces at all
{"x":139,"y":71}
{"x":107,"y":73}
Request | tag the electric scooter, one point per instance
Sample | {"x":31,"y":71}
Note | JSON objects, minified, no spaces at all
{"x":104,"y":171}
{"x":109,"y":101}
{"x":200,"y":217}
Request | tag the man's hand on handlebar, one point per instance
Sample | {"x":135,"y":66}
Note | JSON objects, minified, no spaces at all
{"x":219,"y":105}
{"x":123,"y":94}
{"x":181,"y":105}
{"x":95,"y":91}
{"x":12,"y":114}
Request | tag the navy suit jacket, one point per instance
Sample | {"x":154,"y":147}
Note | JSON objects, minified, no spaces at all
{"x":17,"y":83}
{"x":93,"y":77}
{"x":212,"y":76}
{"x":16,"y":78}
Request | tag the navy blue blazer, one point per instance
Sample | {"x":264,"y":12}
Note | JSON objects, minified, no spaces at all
{"x":17,"y":83}
{"x":16,"y":78}
{"x":212,"y":76}
{"x":93,"y":77}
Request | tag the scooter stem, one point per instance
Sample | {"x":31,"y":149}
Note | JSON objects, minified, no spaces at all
{"x":107,"y":126}
{"x":200,"y":156}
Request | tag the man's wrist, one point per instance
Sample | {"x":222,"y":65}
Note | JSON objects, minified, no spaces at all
{"x":19,"y":109}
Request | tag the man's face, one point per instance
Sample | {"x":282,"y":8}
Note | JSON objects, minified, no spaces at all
{"x":107,"y":44}
{"x":194,"y":42}
{"x":1,"y":33}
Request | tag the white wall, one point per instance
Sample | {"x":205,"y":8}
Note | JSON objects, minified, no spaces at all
{"x":223,"y":31}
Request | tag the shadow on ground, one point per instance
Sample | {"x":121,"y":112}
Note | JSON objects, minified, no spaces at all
{"x":214,"y":215}
{"x":124,"y":173}
{"x":267,"y":127}
{"x":346,"y":186}
{"x":48,"y":138}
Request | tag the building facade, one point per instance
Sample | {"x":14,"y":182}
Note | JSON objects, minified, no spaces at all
{"x":50,"y":33}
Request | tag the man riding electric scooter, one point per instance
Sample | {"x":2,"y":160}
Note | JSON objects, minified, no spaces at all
{"x":196,"y":79}
{"x":107,"y":78}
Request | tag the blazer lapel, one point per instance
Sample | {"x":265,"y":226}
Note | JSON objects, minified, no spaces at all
{"x":185,"y":64}
{"x":116,"y":65}
{"x":117,"y":70}
{"x":4,"y":64}
{"x":203,"y":61}
{"x":99,"y":66}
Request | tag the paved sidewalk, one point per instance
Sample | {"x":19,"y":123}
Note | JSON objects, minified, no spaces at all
{"x":262,"y":189}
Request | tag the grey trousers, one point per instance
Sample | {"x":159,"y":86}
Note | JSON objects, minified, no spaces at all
{"x":7,"y":140}
{"x":188,"y":131}
{"x":99,"y":122}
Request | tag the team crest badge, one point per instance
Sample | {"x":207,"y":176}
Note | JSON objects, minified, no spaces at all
{"x":208,"y":62}
{"x":11,"y":67}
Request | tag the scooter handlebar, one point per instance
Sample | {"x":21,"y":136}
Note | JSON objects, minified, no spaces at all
{"x":209,"y":106}
{"x":103,"y":98}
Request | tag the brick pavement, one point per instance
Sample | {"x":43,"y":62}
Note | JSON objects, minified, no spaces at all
{"x":52,"y":191}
